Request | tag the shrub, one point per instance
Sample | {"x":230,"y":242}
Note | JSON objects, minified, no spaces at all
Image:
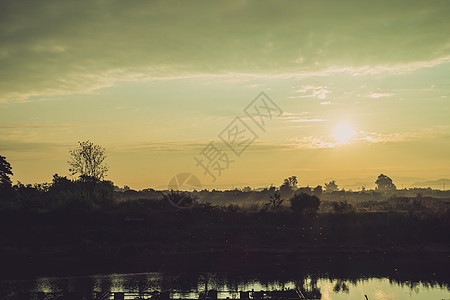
{"x":342,"y":207}
{"x":305,"y":204}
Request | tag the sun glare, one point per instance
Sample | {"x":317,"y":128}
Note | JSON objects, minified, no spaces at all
{"x":344,"y":132}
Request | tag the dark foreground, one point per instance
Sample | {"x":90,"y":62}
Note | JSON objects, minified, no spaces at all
{"x":205,"y":239}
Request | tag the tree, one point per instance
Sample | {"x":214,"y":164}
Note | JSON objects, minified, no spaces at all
{"x":331,"y":186}
{"x":318,"y":191}
{"x":384,"y":183}
{"x":305,"y":204}
{"x":246,"y":189}
{"x":180,"y":200}
{"x":88,"y":160}
{"x":341,"y":207}
{"x":291,"y":182}
{"x":5,"y":172}
{"x":275,"y":201}
{"x":288,"y":187}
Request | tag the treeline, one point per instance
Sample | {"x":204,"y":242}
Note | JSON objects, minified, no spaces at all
{"x":91,"y":192}
{"x":84,"y":196}
{"x":61,"y":194}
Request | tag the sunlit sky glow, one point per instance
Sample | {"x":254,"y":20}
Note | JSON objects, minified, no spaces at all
{"x":364,"y":87}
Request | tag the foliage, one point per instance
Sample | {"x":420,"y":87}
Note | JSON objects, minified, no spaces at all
{"x":304,"y":203}
{"x":331,"y":186}
{"x":180,"y":199}
{"x":318,"y":191}
{"x":384,"y":183}
{"x":288,"y":187}
{"x":342,"y":207}
{"x":5,"y":171}
{"x":275,"y":201}
{"x":291,"y":182}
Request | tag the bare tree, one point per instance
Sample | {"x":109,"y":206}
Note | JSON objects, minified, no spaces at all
{"x":88,"y":161}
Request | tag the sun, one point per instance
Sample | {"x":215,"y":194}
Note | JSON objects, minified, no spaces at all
{"x":344,"y":132}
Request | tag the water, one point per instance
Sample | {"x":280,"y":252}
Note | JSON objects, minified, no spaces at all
{"x":188,"y":285}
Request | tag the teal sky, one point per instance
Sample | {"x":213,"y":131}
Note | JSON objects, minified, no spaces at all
{"x":364,"y":87}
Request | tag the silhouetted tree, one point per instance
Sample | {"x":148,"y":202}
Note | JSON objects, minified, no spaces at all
{"x":180,"y":199}
{"x":289,"y":186}
{"x":5,"y":172}
{"x":104,"y":191}
{"x":384,"y":183}
{"x":305,"y":189}
{"x":304,"y":203}
{"x":246,"y":189}
{"x":331,"y":186}
{"x":61,"y":183}
{"x":88,"y":160}
{"x":275,"y":201}
{"x":31,"y":197}
{"x":318,"y":191}
{"x":291,"y":182}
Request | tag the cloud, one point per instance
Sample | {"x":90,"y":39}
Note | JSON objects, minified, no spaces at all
{"x":306,"y":120}
{"x":312,"y":142}
{"x":395,"y":137}
{"x":379,"y":95}
{"x":58,"y":47}
{"x":314,"y":91}
{"x":32,"y":147}
{"x":300,"y":118}
{"x":325,"y":142}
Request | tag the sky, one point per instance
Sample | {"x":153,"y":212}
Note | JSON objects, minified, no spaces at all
{"x":351,"y":89}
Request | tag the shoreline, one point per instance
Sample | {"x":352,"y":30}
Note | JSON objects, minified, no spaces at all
{"x":431,"y":261}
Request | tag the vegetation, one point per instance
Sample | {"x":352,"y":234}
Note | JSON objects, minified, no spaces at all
{"x":88,"y":161}
{"x":82,"y":218}
{"x":305,"y":204}
{"x":331,"y":186}
{"x":384,"y":183}
{"x":275,"y":201}
{"x":5,"y":172}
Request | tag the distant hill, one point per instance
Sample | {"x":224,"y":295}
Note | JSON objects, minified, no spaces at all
{"x":434,"y":184}
{"x":354,"y":184}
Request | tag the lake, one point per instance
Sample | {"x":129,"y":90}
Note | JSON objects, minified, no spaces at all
{"x":228,"y":285}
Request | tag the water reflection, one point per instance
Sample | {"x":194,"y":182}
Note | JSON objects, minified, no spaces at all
{"x":190,"y":286}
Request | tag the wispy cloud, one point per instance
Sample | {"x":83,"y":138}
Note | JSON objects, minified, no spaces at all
{"x":324,"y":142}
{"x":312,"y":91}
{"x":379,"y":95}
{"x":306,"y":120}
{"x":300,"y":118}
{"x":29,"y":146}
{"x":373,"y":137}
